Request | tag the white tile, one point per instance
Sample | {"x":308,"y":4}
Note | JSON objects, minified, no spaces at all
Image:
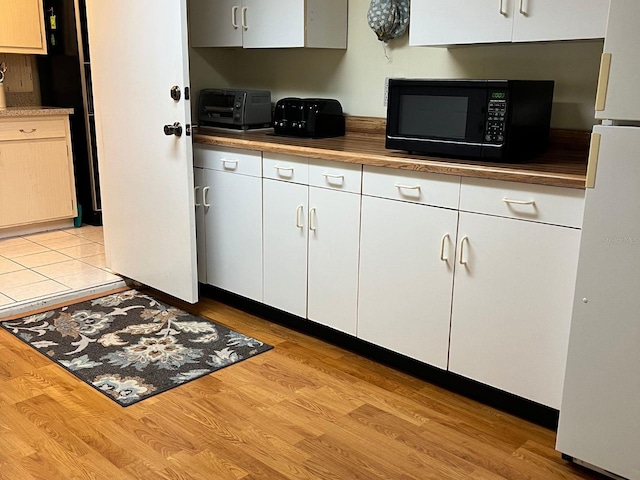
{"x":99,"y":261}
{"x":59,"y":243}
{"x":19,"y":250}
{"x":34,"y":290}
{"x":13,"y":241}
{"x":40,"y":259}
{"x":19,"y":278}
{"x":4,"y":300}
{"x":84,"y":250}
{"x":7,"y":266}
{"x":88,"y":279}
{"x":51,"y":235}
{"x":63,"y":269}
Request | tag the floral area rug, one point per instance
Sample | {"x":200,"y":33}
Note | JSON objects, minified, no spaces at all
{"x":130,"y":346}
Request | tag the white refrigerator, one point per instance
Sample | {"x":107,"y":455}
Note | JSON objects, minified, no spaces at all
{"x":600,"y":412}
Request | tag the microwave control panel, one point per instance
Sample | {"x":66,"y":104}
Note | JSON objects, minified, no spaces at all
{"x":496,"y":118}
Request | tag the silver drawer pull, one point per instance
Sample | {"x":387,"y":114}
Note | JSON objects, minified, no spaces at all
{"x":408,"y":187}
{"x":519,"y":202}
{"x":286,"y":169}
{"x":22,"y":130}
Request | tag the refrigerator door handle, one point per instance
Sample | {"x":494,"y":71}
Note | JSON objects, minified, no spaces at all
{"x":603,"y":81}
{"x":592,"y":165}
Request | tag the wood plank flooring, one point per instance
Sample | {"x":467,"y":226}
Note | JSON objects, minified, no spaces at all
{"x":305,"y":410}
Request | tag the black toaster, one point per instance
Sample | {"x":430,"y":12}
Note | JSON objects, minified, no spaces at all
{"x":308,"y":117}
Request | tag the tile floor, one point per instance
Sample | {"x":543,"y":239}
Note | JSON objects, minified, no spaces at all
{"x":52,"y":263}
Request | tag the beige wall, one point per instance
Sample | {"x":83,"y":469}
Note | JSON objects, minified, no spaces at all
{"x":356,"y":76}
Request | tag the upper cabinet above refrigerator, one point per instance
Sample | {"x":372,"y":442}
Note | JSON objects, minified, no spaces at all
{"x":617,"y":97}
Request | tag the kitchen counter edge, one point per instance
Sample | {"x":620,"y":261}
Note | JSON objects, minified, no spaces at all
{"x":34,"y":111}
{"x":562,"y":167}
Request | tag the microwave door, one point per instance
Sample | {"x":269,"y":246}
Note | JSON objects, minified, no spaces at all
{"x":439,"y":120}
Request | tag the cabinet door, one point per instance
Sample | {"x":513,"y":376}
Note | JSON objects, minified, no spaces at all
{"x":512,"y":304}
{"x":36,"y":182}
{"x":334,"y":233}
{"x":540,"y":20}
{"x":447,"y":22}
{"x":22,"y":28}
{"x":616,"y":99}
{"x":273,"y":23}
{"x":406,"y":277}
{"x":201,"y":190}
{"x":233,"y":219}
{"x":215,"y":23}
{"x":285,"y":246}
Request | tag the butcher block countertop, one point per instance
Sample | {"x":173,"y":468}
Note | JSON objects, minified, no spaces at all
{"x":563,"y":165}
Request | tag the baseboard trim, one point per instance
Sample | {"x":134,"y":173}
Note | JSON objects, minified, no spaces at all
{"x":512,"y":404}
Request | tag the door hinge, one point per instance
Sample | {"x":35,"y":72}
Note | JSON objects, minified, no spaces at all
{"x":186,"y":93}
{"x":187,"y":129}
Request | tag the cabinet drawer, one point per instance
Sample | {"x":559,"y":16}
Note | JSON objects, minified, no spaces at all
{"x":335,"y":175}
{"x":286,"y":167}
{"x":410,"y":186}
{"x":234,"y":160}
{"x":33,"y":128}
{"x":537,"y":203}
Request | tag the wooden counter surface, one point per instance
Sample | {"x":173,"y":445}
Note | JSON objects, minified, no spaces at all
{"x":563,"y":165}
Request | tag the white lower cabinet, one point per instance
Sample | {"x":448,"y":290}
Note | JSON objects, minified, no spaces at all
{"x":231,"y":199}
{"x":311,"y":236}
{"x":201,"y":189}
{"x":406,"y":277}
{"x":406,"y":261}
{"x":285,"y":246}
{"x":512,"y":304}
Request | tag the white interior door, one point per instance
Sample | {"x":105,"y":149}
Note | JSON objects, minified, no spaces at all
{"x":138,"y":52}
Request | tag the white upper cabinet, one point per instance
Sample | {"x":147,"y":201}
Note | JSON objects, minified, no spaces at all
{"x":540,"y":20}
{"x":450,"y":22}
{"x":268,"y":23}
{"x":617,"y":97}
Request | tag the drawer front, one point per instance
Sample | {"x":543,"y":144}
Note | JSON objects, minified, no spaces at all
{"x":288,"y":168}
{"x":233,"y":160}
{"x":537,"y":203}
{"x":33,"y":128}
{"x":410,"y":186}
{"x":335,"y":175}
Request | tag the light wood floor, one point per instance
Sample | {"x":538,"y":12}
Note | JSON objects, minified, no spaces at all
{"x":304,"y":410}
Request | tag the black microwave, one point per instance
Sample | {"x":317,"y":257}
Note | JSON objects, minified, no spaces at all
{"x":491,"y":120}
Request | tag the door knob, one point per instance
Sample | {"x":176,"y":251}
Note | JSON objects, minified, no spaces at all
{"x":175,"y":129}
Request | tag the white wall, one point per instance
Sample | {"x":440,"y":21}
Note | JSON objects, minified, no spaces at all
{"x":356,"y":76}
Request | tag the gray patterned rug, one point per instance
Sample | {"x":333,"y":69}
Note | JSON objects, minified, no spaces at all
{"x":130,"y":346}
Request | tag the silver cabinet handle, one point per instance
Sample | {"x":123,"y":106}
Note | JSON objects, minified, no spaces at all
{"x":244,"y":18}
{"x":461,"y":259}
{"x":444,"y":240}
{"x":287,"y":169}
{"x":205,"y":192}
{"x":234,"y":16}
{"x":298,"y":215}
{"x":502,"y":12}
{"x":22,"y":130}
{"x":195,"y":196}
{"x":518,"y":202}
{"x":408,"y":187}
{"x":229,"y":164}
{"x":312,"y":213}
